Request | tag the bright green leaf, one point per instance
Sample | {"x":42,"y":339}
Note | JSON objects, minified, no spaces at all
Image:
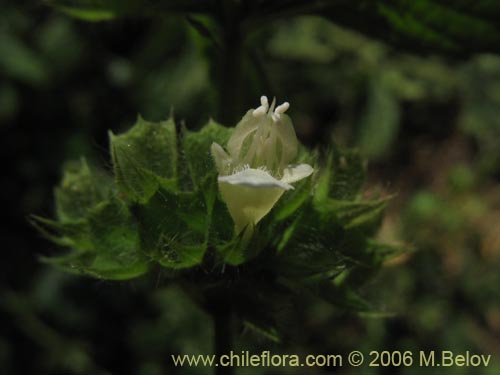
{"x":145,"y":158}
{"x":173,"y":228}
{"x":197,"y":149}
{"x":74,"y":234}
{"x":115,"y":238}
{"x":80,"y":190}
{"x":76,"y":262}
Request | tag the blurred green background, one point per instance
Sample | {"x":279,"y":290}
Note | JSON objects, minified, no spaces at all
{"x":423,"y":111}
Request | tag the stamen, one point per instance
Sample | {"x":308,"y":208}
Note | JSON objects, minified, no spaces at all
{"x":262,"y":109}
{"x":282,"y":108}
{"x":264,"y":102}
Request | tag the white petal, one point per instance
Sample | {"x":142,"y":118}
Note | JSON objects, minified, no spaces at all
{"x":256,"y":178}
{"x":286,"y":135}
{"x":248,"y":205}
{"x":248,"y":125}
{"x":294,"y":173}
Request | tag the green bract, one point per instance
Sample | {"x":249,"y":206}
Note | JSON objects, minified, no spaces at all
{"x":163,"y":210}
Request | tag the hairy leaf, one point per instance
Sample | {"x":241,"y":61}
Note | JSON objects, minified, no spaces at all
{"x":80,"y":190}
{"x":115,"y":240}
{"x":145,"y":158}
{"x":173,"y":228}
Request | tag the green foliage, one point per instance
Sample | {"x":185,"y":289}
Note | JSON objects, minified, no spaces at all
{"x":52,"y":107}
{"x":164,"y":209}
{"x":197,"y":149}
{"x":342,"y":178}
{"x":173,"y":228}
{"x":115,"y":242}
{"x":101,"y":251}
{"x":449,"y":27}
{"x":145,"y":158}
{"x":103,"y":10}
{"x":19,"y":62}
{"x":80,"y":190}
{"x":445,"y":26}
{"x":381,"y":120}
{"x":481,"y":86}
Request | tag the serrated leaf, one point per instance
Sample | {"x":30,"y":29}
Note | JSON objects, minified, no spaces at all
{"x":326,"y":240}
{"x":361,"y":215}
{"x":310,"y":248}
{"x":124,"y":266}
{"x":79,"y":191}
{"x":173,"y":228}
{"x":197,"y":145}
{"x":76,"y":262}
{"x":74,"y":234}
{"x":341,"y":178}
{"x":115,"y":239}
{"x":145,"y":158}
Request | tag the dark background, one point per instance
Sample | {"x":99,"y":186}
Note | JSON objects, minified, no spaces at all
{"x":427,"y":123}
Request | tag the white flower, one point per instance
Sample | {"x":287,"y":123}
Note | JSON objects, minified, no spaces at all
{"x":255,"y":171}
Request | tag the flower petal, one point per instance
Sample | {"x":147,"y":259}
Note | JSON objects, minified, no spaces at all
{"x":247,"y":204}
{"x":256,"y":178}
{"x":297,"y":172}
{"x":247,"y":126}
{"x":286,"y":135}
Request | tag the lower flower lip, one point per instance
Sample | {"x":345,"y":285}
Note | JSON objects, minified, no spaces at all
{"x":255,"y":178}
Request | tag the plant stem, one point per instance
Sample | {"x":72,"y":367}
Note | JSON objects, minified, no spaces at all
{"x":222,"y":338}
